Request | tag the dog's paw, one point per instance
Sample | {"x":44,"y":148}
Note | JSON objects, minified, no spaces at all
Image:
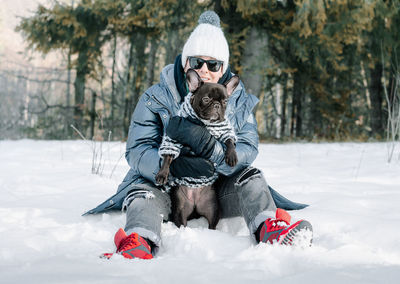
{"x":231,"y":158}
{"x":162,"y":178}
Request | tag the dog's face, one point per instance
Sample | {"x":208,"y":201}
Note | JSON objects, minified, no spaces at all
{"x":209,"y":99}
{"x":209,"y":102}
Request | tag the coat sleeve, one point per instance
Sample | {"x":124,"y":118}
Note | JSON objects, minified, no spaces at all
{"x":144,"y":138}
{"x":246,"y":148}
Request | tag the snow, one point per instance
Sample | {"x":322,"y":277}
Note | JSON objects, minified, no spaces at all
{"x":354,"y":197}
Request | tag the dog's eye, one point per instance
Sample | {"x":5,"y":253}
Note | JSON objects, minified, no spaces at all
{"x":206,"y":100}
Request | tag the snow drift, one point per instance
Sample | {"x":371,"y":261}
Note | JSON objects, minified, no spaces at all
{"x":354,"y":197}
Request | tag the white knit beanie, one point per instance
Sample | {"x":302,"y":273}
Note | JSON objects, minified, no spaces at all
{"x":207,"y":39}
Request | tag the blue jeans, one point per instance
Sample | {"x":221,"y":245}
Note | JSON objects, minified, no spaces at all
{"x":244,"y":194}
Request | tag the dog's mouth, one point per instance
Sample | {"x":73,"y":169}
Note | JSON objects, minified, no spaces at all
{"x":210,"y":117}
{"x":215,"y":118}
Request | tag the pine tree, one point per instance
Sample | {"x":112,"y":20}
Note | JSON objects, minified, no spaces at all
{"x":382,"y":44}
{"x":78,"y":28}
{"x":314,"y":42}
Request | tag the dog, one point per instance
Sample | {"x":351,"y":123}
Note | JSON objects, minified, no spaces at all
{"x":208,"y":102}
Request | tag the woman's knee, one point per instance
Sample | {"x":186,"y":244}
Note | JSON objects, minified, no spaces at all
{"x":251,"y":177}
{"x":148,"y":200}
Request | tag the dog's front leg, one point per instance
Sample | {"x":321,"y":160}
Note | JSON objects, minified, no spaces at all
{"x":230,"y":154}
{"x":162,"y":175}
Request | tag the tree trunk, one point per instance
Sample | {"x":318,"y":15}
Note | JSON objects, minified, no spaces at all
{"x":391,"y":89}
{"x":292,"y":116}
{"x":93,"y":115}
{"x":392,"y":86}
{"x":283,"y":106}
{"x":297,"y":118}
{"x":151,"y":62}
{"x":252,"y":75}
{"x":79,"y":85}
{"x":70,"y":115}
{"x":376,"y":93}
{"x":129,"y":87}
{"x":114,"y":50}
{"x":135,"y":76}
{"x":173,"y":46}
{"x":68,"y":119}
{"x":254,"y":57}
{"x":140,"y":46}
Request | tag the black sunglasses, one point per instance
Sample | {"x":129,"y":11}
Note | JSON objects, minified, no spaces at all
{"x":197,"y":63}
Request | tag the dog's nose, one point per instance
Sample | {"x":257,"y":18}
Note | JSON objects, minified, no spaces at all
{"x":217,"y":106}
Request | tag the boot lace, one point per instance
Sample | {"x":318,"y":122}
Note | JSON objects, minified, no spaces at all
{"x":277,"y":224}
{"x":129,"y":242}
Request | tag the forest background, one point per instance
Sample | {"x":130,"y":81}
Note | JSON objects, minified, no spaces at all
{"x":323,"y":70}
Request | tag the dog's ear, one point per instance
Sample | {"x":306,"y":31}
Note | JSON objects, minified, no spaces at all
{"x":232,"y":84}
{"x":193,"y":79}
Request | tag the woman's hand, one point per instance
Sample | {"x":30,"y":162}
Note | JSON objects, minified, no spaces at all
{"x":192,"y":134}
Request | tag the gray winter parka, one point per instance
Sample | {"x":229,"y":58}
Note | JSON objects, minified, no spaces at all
{"x":149,"y":120}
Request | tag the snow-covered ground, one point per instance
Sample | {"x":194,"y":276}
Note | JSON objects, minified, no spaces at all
{"x":354,"y":195}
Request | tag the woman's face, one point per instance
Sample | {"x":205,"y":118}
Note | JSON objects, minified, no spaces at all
{"x":206,"y":75}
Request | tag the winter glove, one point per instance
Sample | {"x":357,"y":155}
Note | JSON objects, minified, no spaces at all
{"x":190,"y":166}
{"x":192,"y":133}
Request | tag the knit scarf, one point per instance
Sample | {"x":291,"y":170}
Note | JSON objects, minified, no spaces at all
{"x":220,"y":130}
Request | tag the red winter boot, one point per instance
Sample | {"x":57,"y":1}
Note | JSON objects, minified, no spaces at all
{"x":280,"y":230}
{"x":132,"y":246}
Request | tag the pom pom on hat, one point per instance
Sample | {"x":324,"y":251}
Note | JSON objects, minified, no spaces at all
{"x":207,"y":39}
{"x":209,"y":17}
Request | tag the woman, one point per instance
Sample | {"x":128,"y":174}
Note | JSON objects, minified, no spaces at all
{"x":241,"y":190}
